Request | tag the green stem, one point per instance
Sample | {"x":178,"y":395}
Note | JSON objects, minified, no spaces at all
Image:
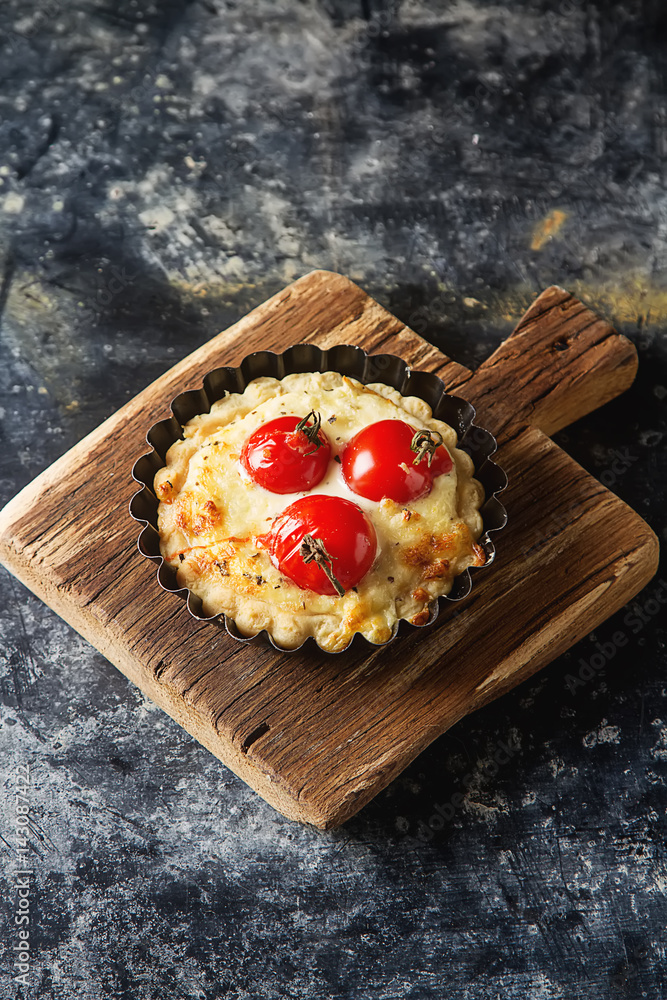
{"x":424,"y":445}
{"x":312,"y":431}
{"x":313,"y":550}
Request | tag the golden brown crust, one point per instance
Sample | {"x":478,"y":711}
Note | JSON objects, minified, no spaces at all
{"x":210,"y":516}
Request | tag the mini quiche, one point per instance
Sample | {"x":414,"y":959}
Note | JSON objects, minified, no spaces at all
{"x":318,"y":506}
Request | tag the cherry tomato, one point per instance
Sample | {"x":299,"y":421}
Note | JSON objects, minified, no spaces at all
{"x":322,"y":543}
{"x":391,"y":459}
{"x":288,"y":454}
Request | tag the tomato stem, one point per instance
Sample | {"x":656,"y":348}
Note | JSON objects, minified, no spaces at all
{"x":314,"y":550}
{"x":311,"y":431}
{"x":424,"y":445}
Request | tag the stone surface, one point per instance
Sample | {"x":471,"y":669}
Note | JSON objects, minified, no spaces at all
{"x":165,"y":167}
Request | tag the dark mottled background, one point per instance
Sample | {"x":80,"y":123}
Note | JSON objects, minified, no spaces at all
{"x":165,"y":166}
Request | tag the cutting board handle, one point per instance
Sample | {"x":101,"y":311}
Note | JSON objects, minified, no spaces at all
{"x":561,"y":362}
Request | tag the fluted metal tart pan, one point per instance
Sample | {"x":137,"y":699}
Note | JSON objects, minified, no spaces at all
{"x":349,"y":360}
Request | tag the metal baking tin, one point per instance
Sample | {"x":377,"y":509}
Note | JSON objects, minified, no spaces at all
{"x":348,"y":360}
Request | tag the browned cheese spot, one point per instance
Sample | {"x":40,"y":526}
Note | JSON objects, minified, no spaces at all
{"x":356,"y":615}
{"x":208,"y":517}
{"x":436,"y":570}
{"x":165,"y":491}
{"x":420,"y":594}
{"x":424,"y":551}
{"x":421,"y":618}
{"x":480,"y":555}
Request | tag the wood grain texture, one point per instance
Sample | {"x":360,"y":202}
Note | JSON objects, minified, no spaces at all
{"x":318,"y":736}
{"x":561,"y":362}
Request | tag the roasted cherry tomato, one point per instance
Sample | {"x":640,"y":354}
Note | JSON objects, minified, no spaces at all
{"x":393,"y":459}
{"x":288,"y":454}
{"x":322,"y":543}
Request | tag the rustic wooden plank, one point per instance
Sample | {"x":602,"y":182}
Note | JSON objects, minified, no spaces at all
{"x":316,"y":735}
{"x":560,"y":363}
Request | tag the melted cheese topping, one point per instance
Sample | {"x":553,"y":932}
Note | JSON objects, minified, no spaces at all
{"x":211,"y":512}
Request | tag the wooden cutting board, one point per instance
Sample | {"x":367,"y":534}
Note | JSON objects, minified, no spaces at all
{"x":318,"y":736}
